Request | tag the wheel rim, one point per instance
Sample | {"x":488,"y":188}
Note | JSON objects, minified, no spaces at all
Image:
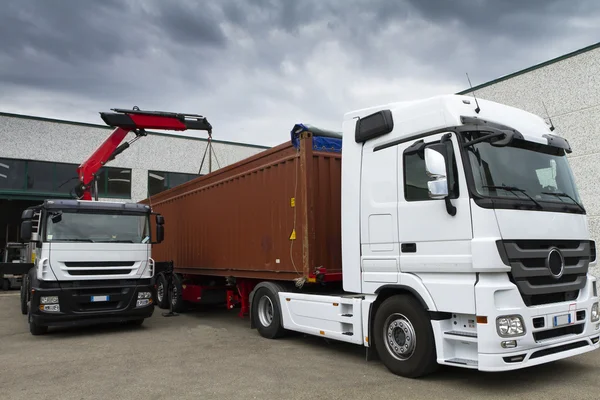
{"x":160,"y":292}
{"x":175,"y":294}
{"x":399,"y":336}
{"x":265,"y":311}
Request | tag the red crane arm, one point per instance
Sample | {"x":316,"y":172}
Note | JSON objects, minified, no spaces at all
{"x":124,"y":122}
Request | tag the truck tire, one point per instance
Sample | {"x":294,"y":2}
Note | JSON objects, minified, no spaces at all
{"x":136,"y":322}
{"x":24,"y":295}
{"x":176,"y":294}
{"x":5,"y":284}
{"x":404,"y":338}
{"x":162,"y":292}
{"x":266,"y":311}
{"x":36,"y":329}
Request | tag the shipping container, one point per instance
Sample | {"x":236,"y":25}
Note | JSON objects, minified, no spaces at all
{"x":272,"y":216}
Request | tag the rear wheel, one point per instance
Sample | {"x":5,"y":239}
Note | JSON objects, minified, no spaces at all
{"x":266,"y":311}
{"x":404,"y":337}
{"x":176,"y":294}
{"x":5,"y":284}
{"x":162,"y":298}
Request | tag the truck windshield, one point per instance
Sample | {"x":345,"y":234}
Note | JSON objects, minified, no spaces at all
{"x":522,"y":170}
{"x":64,"y":226}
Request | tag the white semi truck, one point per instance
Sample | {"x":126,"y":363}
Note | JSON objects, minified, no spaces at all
{"x":464,"y":241}
{"x":463,"y":238}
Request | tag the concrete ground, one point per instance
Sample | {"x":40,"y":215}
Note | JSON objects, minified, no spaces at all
{"x":214,"y":355}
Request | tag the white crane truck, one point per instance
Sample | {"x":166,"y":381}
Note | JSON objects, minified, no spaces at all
{"x":91,"y":260}
{"x":91,"y":263}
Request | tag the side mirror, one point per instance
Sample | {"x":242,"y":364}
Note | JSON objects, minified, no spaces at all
{"x":160,"y":233}
{"x":160,"y":220}
{"x":26,"y":228}
{"x":437,"y":169}
{"x":27,"y":214}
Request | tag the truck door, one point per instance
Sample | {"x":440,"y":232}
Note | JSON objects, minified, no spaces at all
{"x":431,"y":240}
{"x":380,"y":264}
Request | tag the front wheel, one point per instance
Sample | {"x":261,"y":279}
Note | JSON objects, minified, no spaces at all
{"x":136,"y":322}
{"x":404,"y":337}
{"x":24,"y":294}
{"x":36,"y":329}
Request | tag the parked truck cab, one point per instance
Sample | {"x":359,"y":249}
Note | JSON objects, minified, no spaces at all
{"x":91,"y":263}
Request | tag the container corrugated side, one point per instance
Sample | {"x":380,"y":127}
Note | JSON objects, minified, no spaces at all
{"x":241,"y":220}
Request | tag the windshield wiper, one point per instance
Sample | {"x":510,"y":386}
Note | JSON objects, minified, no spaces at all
{"x":560,"y":194}
{"x":516,"y":189}
{"x":484,"y":138}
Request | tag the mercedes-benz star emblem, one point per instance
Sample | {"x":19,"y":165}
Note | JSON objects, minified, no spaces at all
{"x":555,"y":262}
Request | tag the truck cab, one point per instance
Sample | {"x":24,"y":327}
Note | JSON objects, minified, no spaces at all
{"x":470,"y":208}
{"x":91,"y":263}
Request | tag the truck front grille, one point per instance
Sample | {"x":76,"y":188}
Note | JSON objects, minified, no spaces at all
{"x":84,"y":272}
{"x":540,"y":336}
{"x":119,"y":298}
{"x":86,"y":268}
{"x":547,"y":271}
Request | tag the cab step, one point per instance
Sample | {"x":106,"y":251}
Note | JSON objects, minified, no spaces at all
{"x":461,"y":335}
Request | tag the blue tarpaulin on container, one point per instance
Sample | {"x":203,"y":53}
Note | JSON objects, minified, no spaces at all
{"x":323,"y":140}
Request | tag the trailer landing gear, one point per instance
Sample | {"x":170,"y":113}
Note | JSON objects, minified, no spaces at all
{"x":240,"y":294}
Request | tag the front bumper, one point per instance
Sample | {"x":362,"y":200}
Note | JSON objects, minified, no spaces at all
{"x":84,"y":303}
{"x":539,"y":355}
{"x":542,"y":342}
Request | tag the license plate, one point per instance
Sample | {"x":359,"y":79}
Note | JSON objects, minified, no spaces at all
{"x":560,"y":320}
{"x":100,"y":298}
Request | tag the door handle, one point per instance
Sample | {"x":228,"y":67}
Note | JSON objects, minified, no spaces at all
{"x":408,"y":247}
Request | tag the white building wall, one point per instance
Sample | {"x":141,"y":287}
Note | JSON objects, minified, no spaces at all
{"x":43,"y":140}
{"x":570,"y":89}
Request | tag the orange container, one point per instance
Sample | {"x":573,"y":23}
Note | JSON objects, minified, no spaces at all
{"x":272,"y":216}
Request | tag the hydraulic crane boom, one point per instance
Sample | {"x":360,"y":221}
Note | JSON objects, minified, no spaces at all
{"x":124,"y":122}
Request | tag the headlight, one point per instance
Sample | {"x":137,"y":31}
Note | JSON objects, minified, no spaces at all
{"x":144,"y":295}
{"x":49,"y":299}
{"x":510,"y":325}
{"x":50,"y":308}
{"x":143,"y":303}
{"x":595,"y":313}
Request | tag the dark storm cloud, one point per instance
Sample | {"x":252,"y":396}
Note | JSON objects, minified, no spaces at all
{"x":256,"y":66}
{"x":190,"y":23}
{"x":66,"y":29}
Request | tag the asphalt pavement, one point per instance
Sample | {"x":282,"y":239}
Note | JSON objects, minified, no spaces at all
{"x":213,"y":354}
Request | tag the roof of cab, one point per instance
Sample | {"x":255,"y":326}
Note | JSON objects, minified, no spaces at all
{"x":94,"y":205}
{"x":446,"y":111}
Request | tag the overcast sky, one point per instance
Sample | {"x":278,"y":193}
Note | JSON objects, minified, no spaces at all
{"x":256,"y":67}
